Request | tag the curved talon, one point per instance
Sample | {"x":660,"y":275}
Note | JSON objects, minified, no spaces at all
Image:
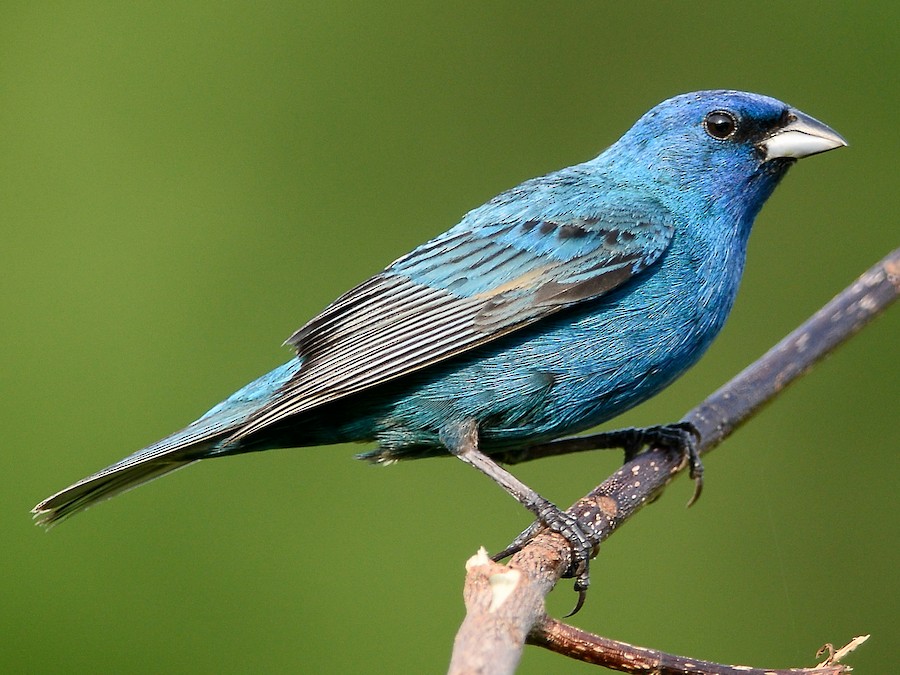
{"x":696,"y":473}
{"x":581,"y":587}
{"x":506,"y":553}
{"x":689,"y":440}
{"x":698,"y":490}
{"x":582,"y":596}
{"x":683,"y":437}
{"x":519,"y":542}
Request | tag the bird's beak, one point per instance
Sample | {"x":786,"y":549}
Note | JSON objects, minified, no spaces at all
{"x":802,"y":136}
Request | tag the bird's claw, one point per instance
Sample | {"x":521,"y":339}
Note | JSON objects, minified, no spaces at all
{"x":688,"y":444}
{"x":519,"y":542}
{"x":579,"y":542}
{"x":682,"y":437}
{"x":582,"y":596}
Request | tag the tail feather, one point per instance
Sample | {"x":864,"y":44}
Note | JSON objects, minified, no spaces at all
{"x":203,"y":438}
{"x":99,"y":487}
{"x":173,"y":452}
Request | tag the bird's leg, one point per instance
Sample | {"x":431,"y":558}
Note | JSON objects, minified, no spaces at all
{"x":682,"y":437}
{"x":462,"y":441}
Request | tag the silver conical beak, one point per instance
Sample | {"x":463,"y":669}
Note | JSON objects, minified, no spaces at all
{"x":802,"y":136}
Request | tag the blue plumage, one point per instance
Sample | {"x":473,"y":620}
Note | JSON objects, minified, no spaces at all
{"x":553,"y":307}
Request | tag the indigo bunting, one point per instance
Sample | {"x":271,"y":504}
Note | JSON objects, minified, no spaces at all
{"x":552,"y":308}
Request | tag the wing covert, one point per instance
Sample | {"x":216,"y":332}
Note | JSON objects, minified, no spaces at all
{"x":458,"y":291}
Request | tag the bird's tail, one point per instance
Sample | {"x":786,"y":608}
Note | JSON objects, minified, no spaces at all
{"x":203,"y":438}
{"x":152,"y":462}
{"x":102,"y":485}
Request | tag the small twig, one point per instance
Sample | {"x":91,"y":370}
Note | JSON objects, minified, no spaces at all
{"x":559,"y":637}
{"x":837,"y":655}
{"x":493,"y":626}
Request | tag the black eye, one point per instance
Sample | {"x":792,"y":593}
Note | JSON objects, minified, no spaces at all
{"x":720,"y":124}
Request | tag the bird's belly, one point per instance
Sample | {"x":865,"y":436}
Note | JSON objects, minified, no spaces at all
{"x":598,"y":372}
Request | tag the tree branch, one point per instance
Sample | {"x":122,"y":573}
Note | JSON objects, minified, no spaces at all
{"x":600,"y":651}
{"x":505,"y":603}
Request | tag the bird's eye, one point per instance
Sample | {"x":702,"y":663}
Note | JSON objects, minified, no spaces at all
{"x":720,"y":125}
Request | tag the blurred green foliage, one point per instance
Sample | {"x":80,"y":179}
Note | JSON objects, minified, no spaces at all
{"x":182,"y":184}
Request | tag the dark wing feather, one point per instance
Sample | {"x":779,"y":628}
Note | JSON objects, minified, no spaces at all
{"x":459,"y":291}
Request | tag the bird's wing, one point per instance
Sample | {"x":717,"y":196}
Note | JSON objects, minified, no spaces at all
{"x":461,"y":290}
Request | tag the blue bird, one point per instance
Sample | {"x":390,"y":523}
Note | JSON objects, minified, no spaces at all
{"x":552,"y":308}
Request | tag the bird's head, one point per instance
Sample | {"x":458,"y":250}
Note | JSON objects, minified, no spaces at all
{"x":720,"y":145}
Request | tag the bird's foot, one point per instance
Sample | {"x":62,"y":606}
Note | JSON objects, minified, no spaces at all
{"x":461,"y":439}
{"x":682,"y":437}
{"x":580,"y":543}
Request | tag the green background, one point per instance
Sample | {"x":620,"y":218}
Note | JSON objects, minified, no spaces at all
{"x":184,"y":184}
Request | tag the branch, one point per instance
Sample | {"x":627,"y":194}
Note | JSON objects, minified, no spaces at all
{"x":505,"y":603}
{"x":600,"y":651}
